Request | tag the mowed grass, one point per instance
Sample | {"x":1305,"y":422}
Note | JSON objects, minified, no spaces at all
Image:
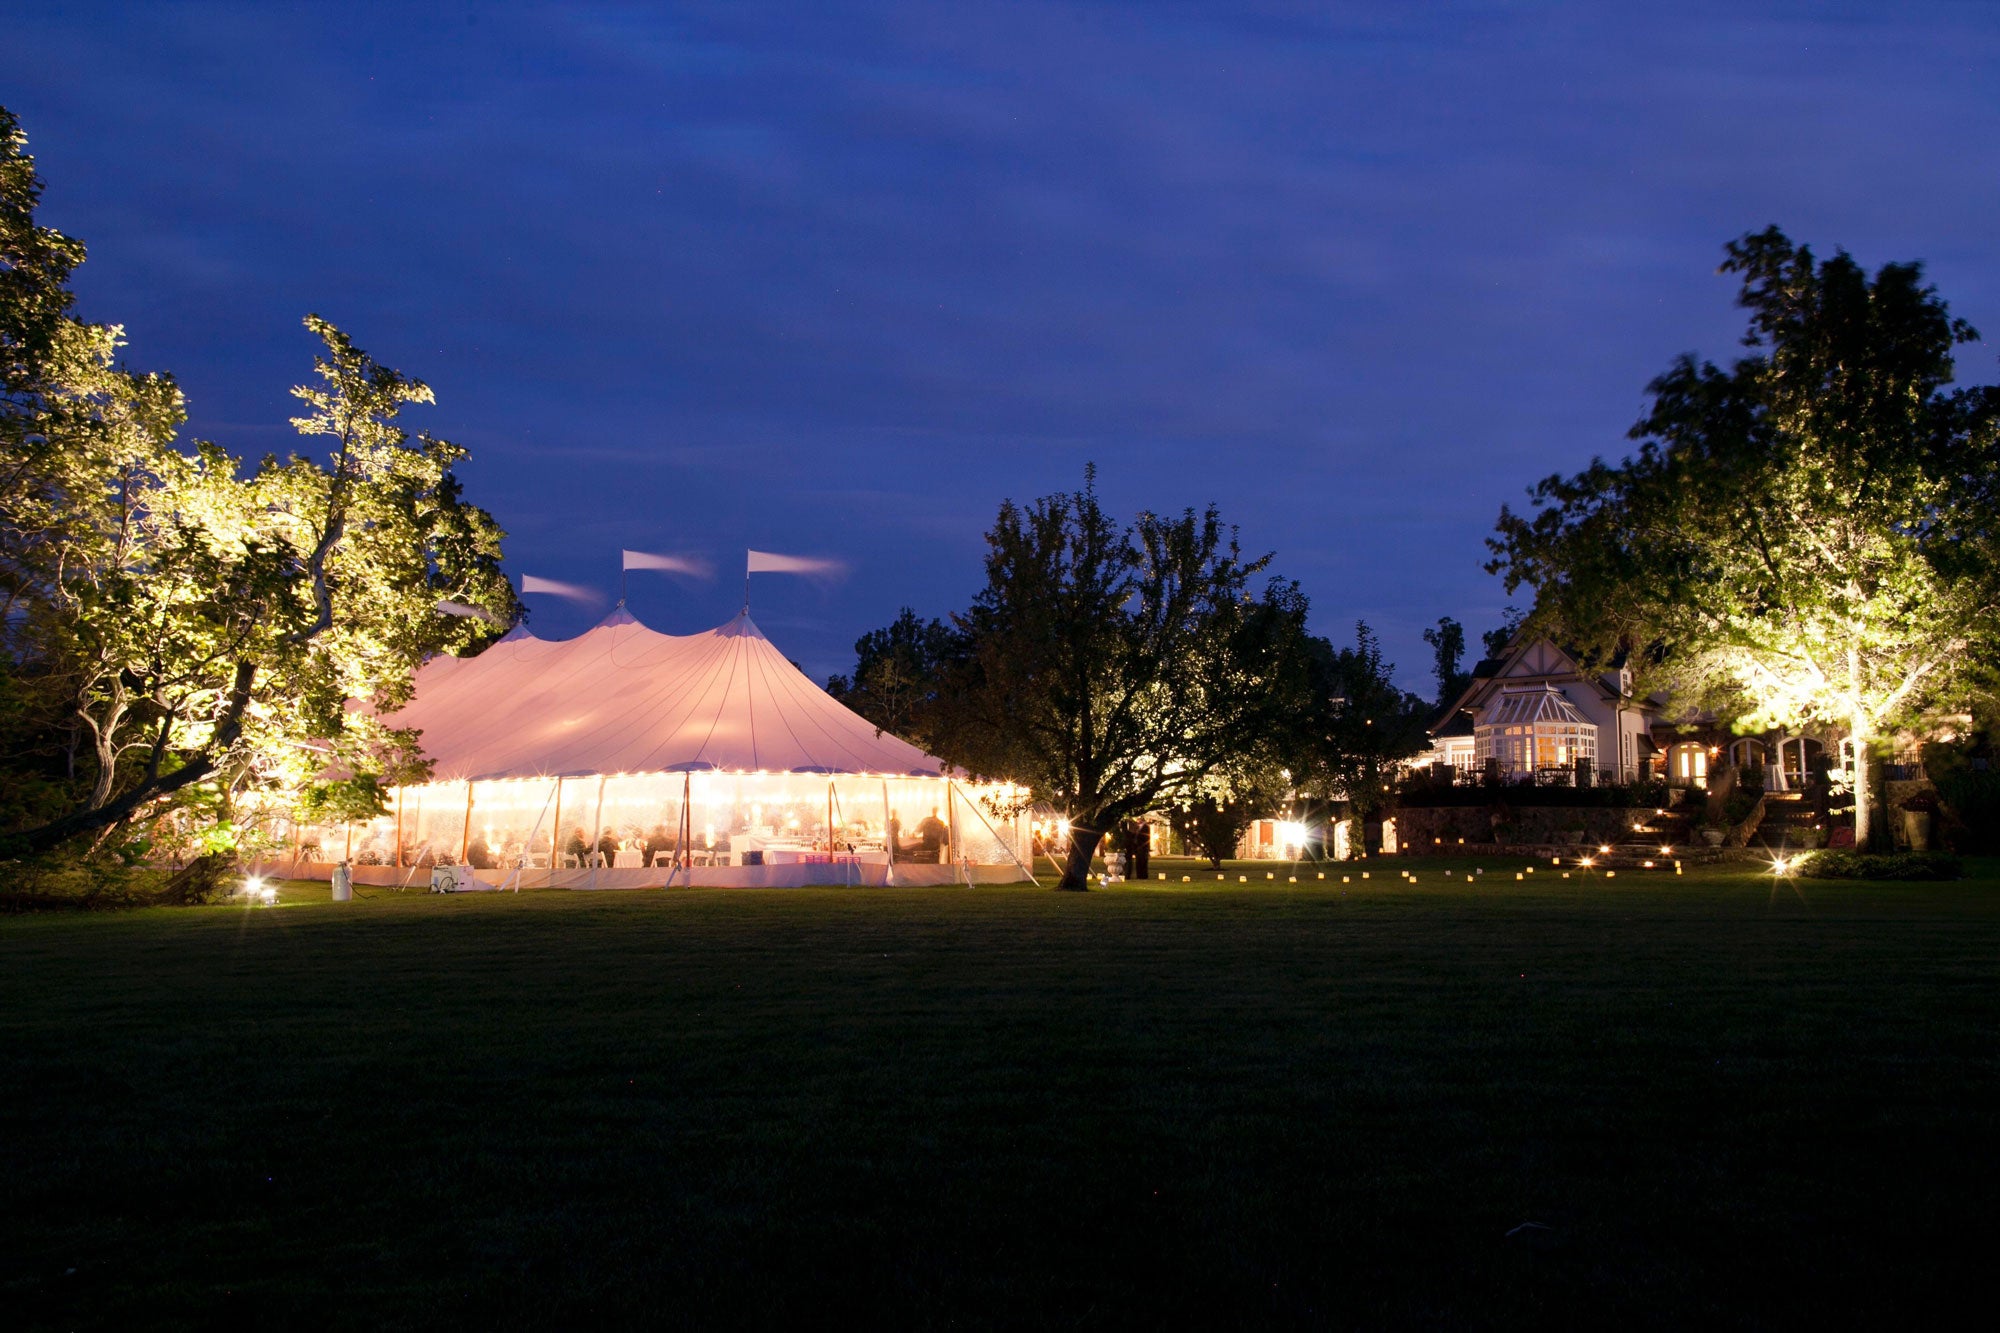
{"x":1704,"y":1101}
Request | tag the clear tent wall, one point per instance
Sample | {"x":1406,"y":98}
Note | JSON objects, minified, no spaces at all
{"x":534,"y":830}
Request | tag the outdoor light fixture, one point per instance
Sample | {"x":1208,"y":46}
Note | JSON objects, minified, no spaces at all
{"x":1585,"y":863}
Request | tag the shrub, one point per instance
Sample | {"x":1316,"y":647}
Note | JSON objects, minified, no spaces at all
{"x":1969,"y":789}
{"x":1738,"y":806}
{"x":56,"y":884}
{"x":1838,"y":864}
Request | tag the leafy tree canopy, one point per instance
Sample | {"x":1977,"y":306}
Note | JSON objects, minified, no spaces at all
{"x":1117,"y":669}
{"x":1355,"y":728}
{"x":1803,"y":538}
{"x":898,"y":671}
{"x":1447,"y":643}
{"x":176,"y":627}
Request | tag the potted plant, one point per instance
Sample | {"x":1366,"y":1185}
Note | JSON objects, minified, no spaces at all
{"x":1812,"y":838}
{"x":1713,"y":834}
{"x":1573,"y":835}
{"x":1919,"y":808}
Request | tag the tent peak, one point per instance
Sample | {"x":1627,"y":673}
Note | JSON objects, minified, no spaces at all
{"x":619,"y":616}
{"x":741,"y":626}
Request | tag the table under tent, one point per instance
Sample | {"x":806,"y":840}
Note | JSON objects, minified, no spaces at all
{"x":627,"y":758}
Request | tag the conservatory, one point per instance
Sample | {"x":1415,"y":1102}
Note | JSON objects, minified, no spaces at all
{"x":627,"y":758}
{"x":1537,"y":732}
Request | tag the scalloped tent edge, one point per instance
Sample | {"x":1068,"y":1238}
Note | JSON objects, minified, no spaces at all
{"x":624,"y":698}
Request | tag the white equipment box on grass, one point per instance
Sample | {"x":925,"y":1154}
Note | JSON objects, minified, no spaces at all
{"x":456,"y":879}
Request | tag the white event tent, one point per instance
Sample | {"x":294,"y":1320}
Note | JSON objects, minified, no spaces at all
{"x":627,"y":758}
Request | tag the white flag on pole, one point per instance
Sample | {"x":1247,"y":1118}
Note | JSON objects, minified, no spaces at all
{"x":575,"y":593}
{"x":671,"y":564}
{"x":765,"y":562}
{"x":451,"y":608}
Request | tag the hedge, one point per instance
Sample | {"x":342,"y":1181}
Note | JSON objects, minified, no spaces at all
{"x":1840,"y":864}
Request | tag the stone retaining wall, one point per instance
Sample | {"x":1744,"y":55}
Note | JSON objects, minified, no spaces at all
{"x":1439,"y":828}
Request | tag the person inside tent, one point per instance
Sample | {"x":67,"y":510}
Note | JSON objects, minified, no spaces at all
{"x":607,"y":849}
{"x":577,"y":850}
{"x":932,"y":838}
{"x":659,"y":845}
{"x":477,"y":854}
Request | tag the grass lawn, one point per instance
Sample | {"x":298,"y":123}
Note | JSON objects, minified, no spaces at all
{"x":1701,"y":1101}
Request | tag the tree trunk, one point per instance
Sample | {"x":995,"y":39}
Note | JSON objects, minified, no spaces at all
{"x":1864,"y":786}
{"x":1076,"y":870}
{"x":53,"y":834}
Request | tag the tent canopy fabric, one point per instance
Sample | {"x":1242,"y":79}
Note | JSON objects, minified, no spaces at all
{"x":622,"y":698}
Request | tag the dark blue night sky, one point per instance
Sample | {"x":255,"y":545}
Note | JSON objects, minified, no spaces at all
{"x":835,"y":279}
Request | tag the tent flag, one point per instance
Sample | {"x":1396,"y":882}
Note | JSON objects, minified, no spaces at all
{"x":670,"y":564}
{"x":451,"y":608}
{"x":765,"y":562}
{"x":575,"y":593}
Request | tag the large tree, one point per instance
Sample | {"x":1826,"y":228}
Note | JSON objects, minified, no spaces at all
{"x":1447,"y":643}
{"x":1356,"y":727}
{"x":898,"y":671}
{"x":1803,"y":538}
{"x":178,"y":625}
{"x":1117,"y":669}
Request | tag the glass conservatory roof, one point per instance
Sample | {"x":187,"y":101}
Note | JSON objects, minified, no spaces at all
{"x":1543,"y":704}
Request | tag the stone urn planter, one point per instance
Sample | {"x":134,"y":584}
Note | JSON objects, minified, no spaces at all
{"x":1714,"y":836}
{"x":1917,"y":829}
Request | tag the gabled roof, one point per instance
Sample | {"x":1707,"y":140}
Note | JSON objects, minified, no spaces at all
{"x":622,"y":698}
{"x":1495,"y":673}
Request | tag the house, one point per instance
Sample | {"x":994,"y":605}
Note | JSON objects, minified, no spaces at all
{"x":1534,"y":713}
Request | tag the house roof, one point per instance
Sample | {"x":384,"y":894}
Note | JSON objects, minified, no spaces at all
{"x":1492,"y":674}
{"x":1540,"y":703}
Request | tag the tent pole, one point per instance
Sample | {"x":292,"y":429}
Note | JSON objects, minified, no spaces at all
{"x":684,"y":830}
{"x":951,"y":818}
{"x":555,"y":838}
{"x":422,"y":844}
{"x":399,"y":827}
{"x":888,"y":834}
{"x":596,"y":833}
{"x":465,"y":838}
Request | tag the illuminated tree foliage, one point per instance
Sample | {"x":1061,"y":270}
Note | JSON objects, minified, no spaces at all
{"x":1212,"y":826}
{"x":1119,"y":669}
{"x":1804,"y":538}
{"x":179,"y":628}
